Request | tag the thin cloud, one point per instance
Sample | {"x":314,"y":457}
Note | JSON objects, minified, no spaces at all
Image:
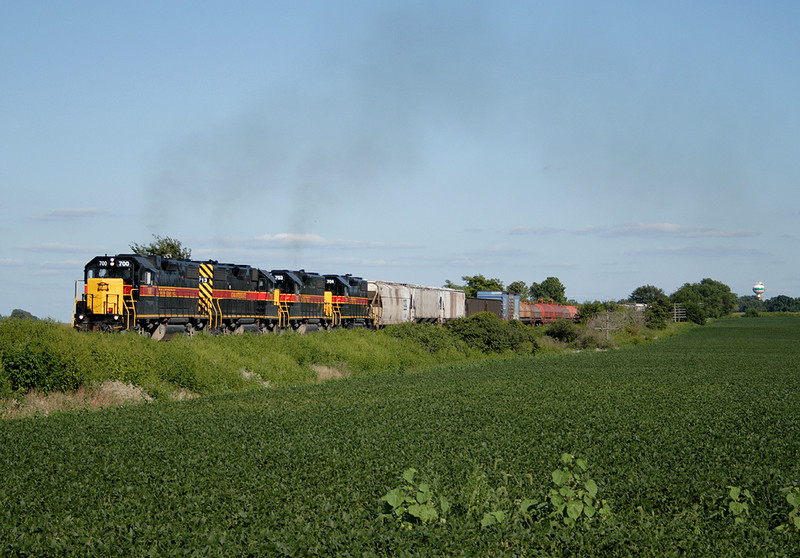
{"x":699,"y":251}
{"x":675,"y":231}
{"x":646,"y":230}
{"x":535,"y":231}
{"x":72,"y":214}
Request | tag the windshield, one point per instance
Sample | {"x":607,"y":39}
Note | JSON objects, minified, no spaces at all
{"x":119,"y":269}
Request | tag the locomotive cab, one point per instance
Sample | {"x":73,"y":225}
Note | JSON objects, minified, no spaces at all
{"x":109,"y":285}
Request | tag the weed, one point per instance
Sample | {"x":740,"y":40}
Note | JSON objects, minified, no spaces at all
{"x":793,"y":497}
{"x":737,"y":504}
{"x":573,"y":497}
{"x":413,"y":503}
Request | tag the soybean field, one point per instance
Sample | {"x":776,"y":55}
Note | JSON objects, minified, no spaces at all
{"x":688,"y":446}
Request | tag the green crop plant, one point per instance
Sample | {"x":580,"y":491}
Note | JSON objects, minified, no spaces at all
{"x":413,"y":503}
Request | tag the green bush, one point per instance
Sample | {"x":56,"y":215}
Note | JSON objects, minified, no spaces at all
{"x":751,"y":313}
{"x":40,"y":355}
{"x":5,"y":383}
{"x":430,"y":337}
{"x":489,"y":334}
{"x":562,"y":330}
{"x":590,"y":309}
{"x":656,"y":315}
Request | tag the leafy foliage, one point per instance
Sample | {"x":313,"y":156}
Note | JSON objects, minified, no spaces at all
{"x":708,"y":298}
{"x":793,"y":498}
{"x":520,"y":288}
{"x":648,"y":294}
{"x":430,"y":337}
{"x":657,"y":314}
{"x":476,"y":283}
{"x":549,"y":289}
{"x":414,"y":502}
{"x":490,"y":334}
{"x":782,"y":303}
{"x":19,"y":314}
{"x":165,"y":246}
{"x":573,"y":497}
{"x":738,"y":504}
{"x":562,"y":330}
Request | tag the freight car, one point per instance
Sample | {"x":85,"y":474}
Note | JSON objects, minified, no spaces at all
{"x":541,"y":312}
{"x":161,"y":296}
{"x":508,"y":306}
{"x":394,"y":303}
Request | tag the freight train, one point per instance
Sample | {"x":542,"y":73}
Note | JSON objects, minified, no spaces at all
{"x":160,"y":297}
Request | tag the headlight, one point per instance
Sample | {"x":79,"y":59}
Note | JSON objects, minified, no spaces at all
{"x":116,"y":317}
{"x":80,"y":316}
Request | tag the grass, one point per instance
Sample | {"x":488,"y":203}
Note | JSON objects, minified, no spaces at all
{"x":666,"y":429}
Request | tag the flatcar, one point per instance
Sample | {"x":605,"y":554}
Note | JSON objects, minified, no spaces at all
{"x":160,"y":296}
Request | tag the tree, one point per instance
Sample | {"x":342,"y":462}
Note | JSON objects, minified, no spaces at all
{"x":550,"y":288}
{"x":647,"y":294}
{"x":712,"y":298}
{"x":163,"y":246}
{"x":520,"y":288}
{"x":22,"y":314}
{"x":476,"y":283}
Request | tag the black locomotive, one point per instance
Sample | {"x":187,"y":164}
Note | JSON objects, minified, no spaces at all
{"x":160,"y":296}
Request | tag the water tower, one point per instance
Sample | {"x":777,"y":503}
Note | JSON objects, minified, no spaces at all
{"x":758,"y":288}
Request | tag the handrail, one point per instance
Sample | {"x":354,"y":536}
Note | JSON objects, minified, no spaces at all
{"x":129,"y":307}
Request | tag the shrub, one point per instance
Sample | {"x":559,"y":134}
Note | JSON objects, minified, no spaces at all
{"x":428,"y":336}
{"x":656,"y":316}
{"x":5,"y":384}
{"x":751,"y":313}
{"x":490,"y":334}
{"x":41,"y":355}
{"x":590,"y":309}
{"x":562,"y":330}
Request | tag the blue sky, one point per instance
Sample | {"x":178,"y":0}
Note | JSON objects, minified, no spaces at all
{"x":609,"y":144}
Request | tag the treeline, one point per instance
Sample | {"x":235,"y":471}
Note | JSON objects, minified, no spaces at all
{"x":780,"y":303}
